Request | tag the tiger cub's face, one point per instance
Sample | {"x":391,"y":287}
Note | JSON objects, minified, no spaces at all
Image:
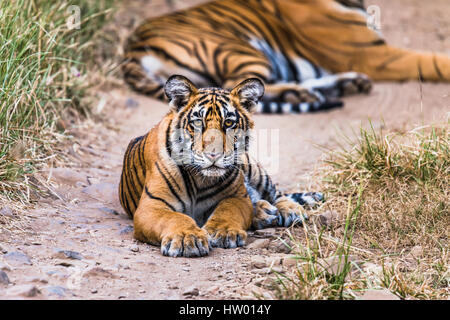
{"x":211,"y":127}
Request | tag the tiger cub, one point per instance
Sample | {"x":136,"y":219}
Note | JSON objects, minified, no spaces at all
{"x":190,"y":184}
{"x":308,"y":52}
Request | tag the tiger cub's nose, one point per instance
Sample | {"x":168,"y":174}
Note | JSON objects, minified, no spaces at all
{"x":213,"y":156}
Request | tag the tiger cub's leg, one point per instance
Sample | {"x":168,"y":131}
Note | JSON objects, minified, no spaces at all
{"x":265,"y":215}
{"x":177,"y":233}
{"x":272,"y":207}
{"x":285,"y":211}
{"x":228,"y":224}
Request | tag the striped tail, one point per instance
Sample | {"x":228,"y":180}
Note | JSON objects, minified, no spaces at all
{"x":287,"y":107}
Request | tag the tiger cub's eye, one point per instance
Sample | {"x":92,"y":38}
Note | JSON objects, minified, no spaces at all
{"x":197,"y":123}
{"x":229,"y":123}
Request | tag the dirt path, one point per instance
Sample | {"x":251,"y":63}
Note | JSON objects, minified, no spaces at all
{"x":78,"y":243}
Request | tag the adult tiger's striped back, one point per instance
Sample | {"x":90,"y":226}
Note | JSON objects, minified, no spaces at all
{"x":308,"y":52}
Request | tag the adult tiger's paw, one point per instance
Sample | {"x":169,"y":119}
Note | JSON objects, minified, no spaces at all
{"x":186,"y":244}
{"x":300,"y":94}
{"x":289,"y":212}
{"x":265,"y":215}
{"x":350,"y":83}
{"x":226,"y":237}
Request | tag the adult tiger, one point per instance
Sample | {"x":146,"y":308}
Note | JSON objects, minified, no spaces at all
{"x":191,"y":178}
{"x":308,"y":52}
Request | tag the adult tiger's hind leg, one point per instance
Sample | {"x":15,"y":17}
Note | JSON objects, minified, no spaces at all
{"x":279,"y":96}
{"x":136,"y":76}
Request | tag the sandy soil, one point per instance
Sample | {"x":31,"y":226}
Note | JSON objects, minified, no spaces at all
{"x":78,"y":243}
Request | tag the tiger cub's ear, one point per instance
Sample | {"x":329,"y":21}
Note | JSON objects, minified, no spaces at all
{"x":179,"y":89}
{"x":249,"y":92}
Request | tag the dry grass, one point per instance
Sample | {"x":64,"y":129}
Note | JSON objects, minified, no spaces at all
{"x":394,"y":230}
{"x":44,"y":79}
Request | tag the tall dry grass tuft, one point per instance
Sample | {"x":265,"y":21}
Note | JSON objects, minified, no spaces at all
{"x":390,"y":193}
{"x":43,"y":73}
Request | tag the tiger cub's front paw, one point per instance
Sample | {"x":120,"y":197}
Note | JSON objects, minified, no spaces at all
{"x":289,"y":212}
{"x":265,"y":215}
{"x":181,"y":243}
{"x":223,"y":236}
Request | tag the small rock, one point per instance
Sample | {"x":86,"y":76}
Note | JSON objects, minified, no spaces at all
{"x":259,"y":282}
{"x":7,"y":212}
{"x":267,"y":233}
{"x":268,"y":296}
{"x":213,"y":290}
{"x":122,"y":266}
{"x":280,"y":246}
{"x":80,"y":185}
{"x":67,"y":254}
{"x":57,"y":274}
{"x":99,"y":272}
{"x":58,"y":291}
{"x":4,"y":278}
{"x":259,"y":244}
{"x":126,"y":230}
{"x":108,"y":210}
{"x":26,"y":290}
{"x":372,"y":269}
{"x":417,"y":252}
{"x":142,"y":291}
{"x":92,"y":180}
{"x":383,"y":294}
{"x":3,"y":250}
{"x":191,"y":291}
{"x":4,"y":267}
{"x":131,"y":103}
{"x":63,"y":264}
{"x":328,"y":218}
{"x":335,"y":264}
{"x":94,"y":291}
{"x":67,"y":176}
{"x":172,"y":287}
{"x":36,"y":279}
{"x":134,"y":248}
{"x":261,"y":271}
{"x":276,"y":270}
{"x":258,"y":262}
{"x":17,"y":258}
{"x":290,"y":262}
